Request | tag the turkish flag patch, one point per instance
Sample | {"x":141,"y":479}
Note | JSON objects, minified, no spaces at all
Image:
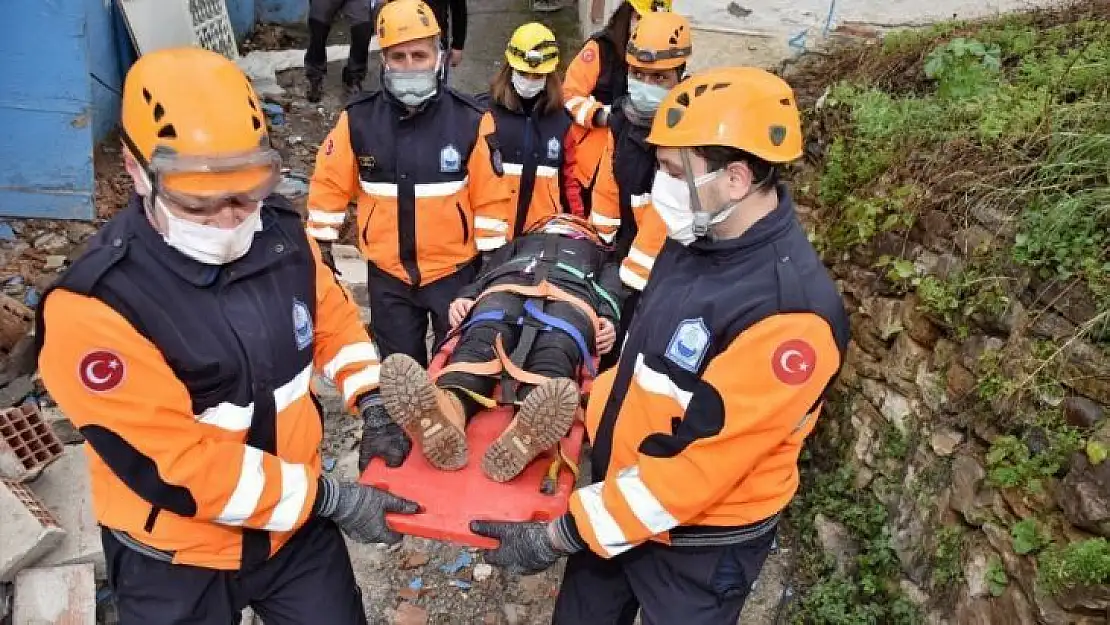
{"x":794,"y":362}
{"x":588,"y":55}
{"x":101,"y":371}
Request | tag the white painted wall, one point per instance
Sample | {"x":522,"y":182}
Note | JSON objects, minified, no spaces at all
{"x":797,"y":24}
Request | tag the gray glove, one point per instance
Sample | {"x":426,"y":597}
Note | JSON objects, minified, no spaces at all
{"x":381,"y":437}
{"x":526,"y":547}
{"x":360,"y":510}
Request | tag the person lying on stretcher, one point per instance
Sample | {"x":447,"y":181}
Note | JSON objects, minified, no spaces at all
{"x":544,"y":307}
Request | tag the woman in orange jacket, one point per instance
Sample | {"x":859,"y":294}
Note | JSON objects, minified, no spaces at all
{"x":595,"y":79}
{"x":525,"y":137}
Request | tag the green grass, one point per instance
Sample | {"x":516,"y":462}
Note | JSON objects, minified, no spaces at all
{"x":1081,"y":563}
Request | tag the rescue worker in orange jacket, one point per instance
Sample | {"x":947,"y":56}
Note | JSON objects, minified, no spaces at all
{"x":696,"y":433}
{"x":407,"y":154}
{"x":544,"y":306}
{"x":182,"y":344}
{"x":594,"y":81}
{"x":657,"y":55}
{"x":524,"y":141}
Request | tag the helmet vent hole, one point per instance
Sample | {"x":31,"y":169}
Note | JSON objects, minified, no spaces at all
{"x":683,"y":99}
{"x":146,"y":95}
{"x":167,"y":132}
{"x":257,"y":123}
{"x":159,"y":112}
{"x":700,"y":89}
{"x":785,"y":101}
{"x":721,"y":85}
{"x":777,"y":135}
{"x":674,"y":116}
{"x":251,"y":102}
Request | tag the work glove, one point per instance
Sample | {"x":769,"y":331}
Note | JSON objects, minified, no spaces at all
{"x":527,"y":548}
{"x":360,"y":510}
{"x":381,"y":437}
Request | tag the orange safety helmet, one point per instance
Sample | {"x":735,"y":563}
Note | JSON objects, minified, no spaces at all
{"x":194,"y":122}
{"x":643,"y":7}
{"x":746,"y":108}
{"x":569,"y":225}
{"x":660,"y":41}
{"x":401,"y":21}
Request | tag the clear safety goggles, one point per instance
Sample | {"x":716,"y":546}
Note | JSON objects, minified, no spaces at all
{"x":204,"y":182}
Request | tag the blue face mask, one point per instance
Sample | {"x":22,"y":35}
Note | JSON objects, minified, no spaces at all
{"x":645,"y":98}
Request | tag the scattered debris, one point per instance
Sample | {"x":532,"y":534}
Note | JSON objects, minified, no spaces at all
{"x":329,"y":464}
{"x":27,"y":444}
{"x":60,"y":595}
{"x":54,"y":261}
{"x":414,"y":559}
{"x":66,"y":491}
{"x":6,"y":232}
{"x":460,"y":584}
{"x":262,"y":66}
{"x":275,"y":113}
{"x":461,"y":562}
{"x":409,"y":614}
{"x":30,"y":531}
{"x":482,"y":572}
{"x":50,"y":242}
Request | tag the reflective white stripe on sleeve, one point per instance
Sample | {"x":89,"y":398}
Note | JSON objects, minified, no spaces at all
{"x":630,"y":278}
{"x":491,"y":224}
{"x":640,"y":258}
{"x":294,"y":389}
{"x":644,"y":504}
{"x":486,"y":244}
{"x":380,"y":189}
{"x":294,"y":492}
{"x":360,"y":380}
{"x":603,"y":220}
{"x":542,"y":171}
{"x":349,"y":355}
{"x":327,"y":218}
{"x":605,"y":527}
{"x":607,"y":237}
{"x":654,"y":382}
{"x":252,"y":478}
{"x":573,"y":103}
{"x":640,"y":200}
{"x":228,"y":416}
{"x":322,"y":234}
{"x":583,"y":111}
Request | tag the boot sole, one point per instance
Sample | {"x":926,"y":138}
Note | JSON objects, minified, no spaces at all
{"x":543,"y":420}
{"x":409,"y":396}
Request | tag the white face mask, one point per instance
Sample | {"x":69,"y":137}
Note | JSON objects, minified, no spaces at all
{"x":645,"y":97}
{"x":671,"y":198}
{"x":208,"y":244}
{"x":412,"y":88}
{"x":526,"y":87}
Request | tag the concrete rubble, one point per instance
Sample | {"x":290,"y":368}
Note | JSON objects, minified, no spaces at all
{"x":30,"y":531}
{"x":61,"y":595}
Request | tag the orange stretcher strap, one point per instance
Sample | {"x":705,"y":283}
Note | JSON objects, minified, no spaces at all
{"x":502,"y":363}
{"x":547,"y":290}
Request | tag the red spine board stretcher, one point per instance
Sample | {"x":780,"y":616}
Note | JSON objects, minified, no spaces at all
{"x":452,"y":499}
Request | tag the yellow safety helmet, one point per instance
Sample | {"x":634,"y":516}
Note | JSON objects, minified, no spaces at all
{"x":194,"y":122}
{"x":643,"y":7}
{"x":401,"y":21}
{"x":533,"y":49}
{"x":746,"y":108}
{"x":660,"y":41}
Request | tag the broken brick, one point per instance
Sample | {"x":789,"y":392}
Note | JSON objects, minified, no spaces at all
{"x":27,"y":444}
{"x":30,"y":531}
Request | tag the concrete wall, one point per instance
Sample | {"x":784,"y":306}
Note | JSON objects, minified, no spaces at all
{"x":749,"y":32}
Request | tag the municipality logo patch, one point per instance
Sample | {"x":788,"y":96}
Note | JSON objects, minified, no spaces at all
{"x":450,"y":161}
{"x":689,"y":344}
{"x":554,"y":148}
{"x":302,"y":324}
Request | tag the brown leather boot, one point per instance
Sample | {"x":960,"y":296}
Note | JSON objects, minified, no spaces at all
{"x":428,"y":414}
{"x":542,"y":421}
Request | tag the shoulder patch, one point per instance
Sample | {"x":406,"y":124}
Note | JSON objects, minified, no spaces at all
{"x":689,"y":344}
{"x":101,"y":370}
{"x":794,"y":361}
{"x":554,"y":148}
{"x":450,"y":161}
{"x":588,"y":55}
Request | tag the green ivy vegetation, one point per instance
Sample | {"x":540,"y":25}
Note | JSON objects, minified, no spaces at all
{"x":1082,"y":563}
{"x":1012,"y":115}
{"x":870,"y":594}
{"x":1011,"y":464}
{"x":1028,"y":536}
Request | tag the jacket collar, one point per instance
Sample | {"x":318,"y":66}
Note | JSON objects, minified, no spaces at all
{"x":772,"y":226}
{"x":270,"y":244}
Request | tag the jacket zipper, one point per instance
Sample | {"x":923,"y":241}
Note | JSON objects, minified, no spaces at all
{"x":462,"y":218}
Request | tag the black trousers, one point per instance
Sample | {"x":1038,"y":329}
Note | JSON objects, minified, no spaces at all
{"x":309,"y":580}
{"x":399,"y":312}
{"x":553,"y":354}
{"x":321,"y":15}
{"x":668,"y":586}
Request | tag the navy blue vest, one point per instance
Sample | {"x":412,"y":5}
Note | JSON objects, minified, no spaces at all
{"x":633,"y":169}
{"x":231,"y":334}
{"x":728,"y":286}
{"x":532,"y":141}
{"x":612,"y":82}
{"x":433,"y":145}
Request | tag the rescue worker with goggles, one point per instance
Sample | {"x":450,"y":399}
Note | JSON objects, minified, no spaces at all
{"x":696,"y":433}
{"x":525,"y":140}
{"x":594,"y":81}
{"x":406,"y":153}
{"x":657,"y":55}
{"x":545,"y":305}
{"x":182,"y":344}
